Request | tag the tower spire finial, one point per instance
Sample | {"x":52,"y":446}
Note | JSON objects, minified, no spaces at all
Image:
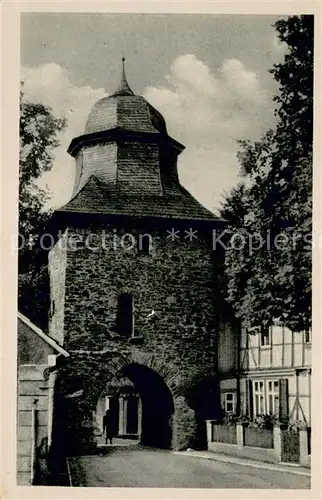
{"x":123,"y":88}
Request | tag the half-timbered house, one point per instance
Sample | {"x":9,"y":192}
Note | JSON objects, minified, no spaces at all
{"x":267,"y":372}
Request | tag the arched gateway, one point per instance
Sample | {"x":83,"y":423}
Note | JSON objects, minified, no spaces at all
{"x":141,"y":406}
{"x":135,"y":280}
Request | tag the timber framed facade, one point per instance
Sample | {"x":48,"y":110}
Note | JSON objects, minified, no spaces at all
{"x":272,"y":374}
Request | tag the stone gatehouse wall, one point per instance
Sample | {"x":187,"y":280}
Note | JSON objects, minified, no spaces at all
{"x":178,"y":281}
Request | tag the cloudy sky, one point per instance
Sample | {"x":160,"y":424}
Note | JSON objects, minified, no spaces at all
{"x":207,"y":74}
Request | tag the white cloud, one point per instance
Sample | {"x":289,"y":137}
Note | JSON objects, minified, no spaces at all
{"x":188,"y":71}
{"x":206,"y":111}
{"x":50,"y":84}
{"x":240,"y":81}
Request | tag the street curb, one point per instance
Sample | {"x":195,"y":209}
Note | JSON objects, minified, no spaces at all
{"x":256,"y":465}
{"x":69,"y":474}
{"x":75,"y":471}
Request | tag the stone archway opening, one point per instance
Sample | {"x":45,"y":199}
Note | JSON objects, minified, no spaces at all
{"x":141,"y":406}
{"x":157,"y":405}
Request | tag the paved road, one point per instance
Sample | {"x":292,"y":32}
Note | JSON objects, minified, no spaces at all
{"x":137,"y":466}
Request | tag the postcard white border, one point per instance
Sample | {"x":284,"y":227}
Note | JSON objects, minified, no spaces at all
{"x":10,"y":147}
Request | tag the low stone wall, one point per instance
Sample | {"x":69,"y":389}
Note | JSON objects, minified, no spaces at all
{"x":270,"y":445}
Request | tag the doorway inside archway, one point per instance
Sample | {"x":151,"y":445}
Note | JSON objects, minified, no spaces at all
{"x":123,"y":402}
{"x":140,"y":404}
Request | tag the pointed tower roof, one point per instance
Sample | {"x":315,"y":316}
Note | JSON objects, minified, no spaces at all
{"x":127,"y":163}
{"x":124,"y":110}
{"x":123,"y":88}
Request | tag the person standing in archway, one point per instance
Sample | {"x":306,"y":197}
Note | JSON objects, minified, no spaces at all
{"x":108,"y":427}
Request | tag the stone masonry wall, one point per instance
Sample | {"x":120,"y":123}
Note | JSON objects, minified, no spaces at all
{"x":57,"y":261}
{"x":178,"y":282}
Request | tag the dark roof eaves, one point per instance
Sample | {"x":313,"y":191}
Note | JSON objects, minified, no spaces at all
{"x":214,"y":219}
{"x":116,"y":133}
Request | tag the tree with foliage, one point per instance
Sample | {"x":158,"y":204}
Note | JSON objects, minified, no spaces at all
{"x":39,"y":131}
{"x":268,"y":257}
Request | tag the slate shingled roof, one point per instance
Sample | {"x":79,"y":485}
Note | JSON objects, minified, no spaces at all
{"x":95,"y":198}
{"x":131,"y":113}
{"x":126,"y":113}
{"x":123,"y":109}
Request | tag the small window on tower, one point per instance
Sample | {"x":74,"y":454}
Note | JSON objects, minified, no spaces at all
{"x":145,"y":244}
{"x":124,"y":318}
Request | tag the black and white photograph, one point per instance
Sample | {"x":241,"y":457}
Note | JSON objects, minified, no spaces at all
{"x":164,"y":251}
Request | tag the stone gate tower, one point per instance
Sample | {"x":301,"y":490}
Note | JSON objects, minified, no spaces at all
{"x":134,"y":282}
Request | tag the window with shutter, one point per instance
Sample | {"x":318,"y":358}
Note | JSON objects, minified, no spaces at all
{"x":272,"y":397}
{"x":266,"y":395}
{"x":258,"y":397}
